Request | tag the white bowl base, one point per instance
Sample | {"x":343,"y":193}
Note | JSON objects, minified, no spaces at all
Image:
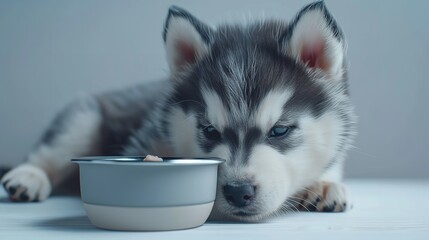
{"x":148,"y":218}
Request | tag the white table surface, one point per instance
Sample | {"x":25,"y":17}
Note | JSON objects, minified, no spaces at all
{"x":383,"y":209}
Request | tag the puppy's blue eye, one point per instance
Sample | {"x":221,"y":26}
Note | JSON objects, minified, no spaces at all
{"x":211,"y":133}
{"x":280,"y":131}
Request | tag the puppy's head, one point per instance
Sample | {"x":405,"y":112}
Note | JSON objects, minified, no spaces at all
{"x":269,"y":97}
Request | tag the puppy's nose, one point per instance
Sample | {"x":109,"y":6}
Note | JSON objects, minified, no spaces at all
{"x":239,"y":196}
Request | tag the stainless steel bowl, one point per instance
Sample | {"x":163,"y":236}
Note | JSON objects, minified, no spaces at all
{"x":125,"y":193}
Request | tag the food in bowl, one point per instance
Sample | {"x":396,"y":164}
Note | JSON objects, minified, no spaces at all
{"x":151,"y":158}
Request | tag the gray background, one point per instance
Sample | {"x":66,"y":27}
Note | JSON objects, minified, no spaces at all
{"x":54,"y":51}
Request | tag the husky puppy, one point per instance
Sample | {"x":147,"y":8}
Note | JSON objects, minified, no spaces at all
{"x":269,"y":97}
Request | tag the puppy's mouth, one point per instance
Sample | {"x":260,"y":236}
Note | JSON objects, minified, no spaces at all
{"x":248,"y":216}
{"x":242,"y":213}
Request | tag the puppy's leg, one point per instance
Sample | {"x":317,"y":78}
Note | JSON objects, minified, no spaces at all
{"x":74,"y":132}
{"x":326,"y":195}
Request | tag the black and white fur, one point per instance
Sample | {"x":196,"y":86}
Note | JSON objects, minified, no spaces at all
{"x":269,"y":97}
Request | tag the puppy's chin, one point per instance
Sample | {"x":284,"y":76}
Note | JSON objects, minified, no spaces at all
{"x":240,"y":216}
{"x":224,"y":212}
{"x":251,"y":217}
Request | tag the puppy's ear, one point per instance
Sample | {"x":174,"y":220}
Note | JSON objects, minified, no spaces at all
{"x":315,"y":39}
{"x":186,"y":39}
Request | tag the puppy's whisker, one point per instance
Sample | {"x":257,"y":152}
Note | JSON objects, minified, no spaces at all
{"x":291,"y":205}
{"x":310,"y":191}
{"x":304,"y":200}
{"x":299,"y":204}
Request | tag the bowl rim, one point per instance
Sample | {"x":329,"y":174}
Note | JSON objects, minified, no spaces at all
{"x":138,"y":160}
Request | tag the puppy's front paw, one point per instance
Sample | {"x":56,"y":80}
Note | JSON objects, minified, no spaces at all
{"x":27,"y":183}
{"x":323,"y":197}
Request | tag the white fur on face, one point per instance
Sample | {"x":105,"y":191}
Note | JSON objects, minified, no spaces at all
{"x":216,"y":112}
{"x":269,"y":170}
{"x":271,"y":108}
{"x":321,"y":138}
